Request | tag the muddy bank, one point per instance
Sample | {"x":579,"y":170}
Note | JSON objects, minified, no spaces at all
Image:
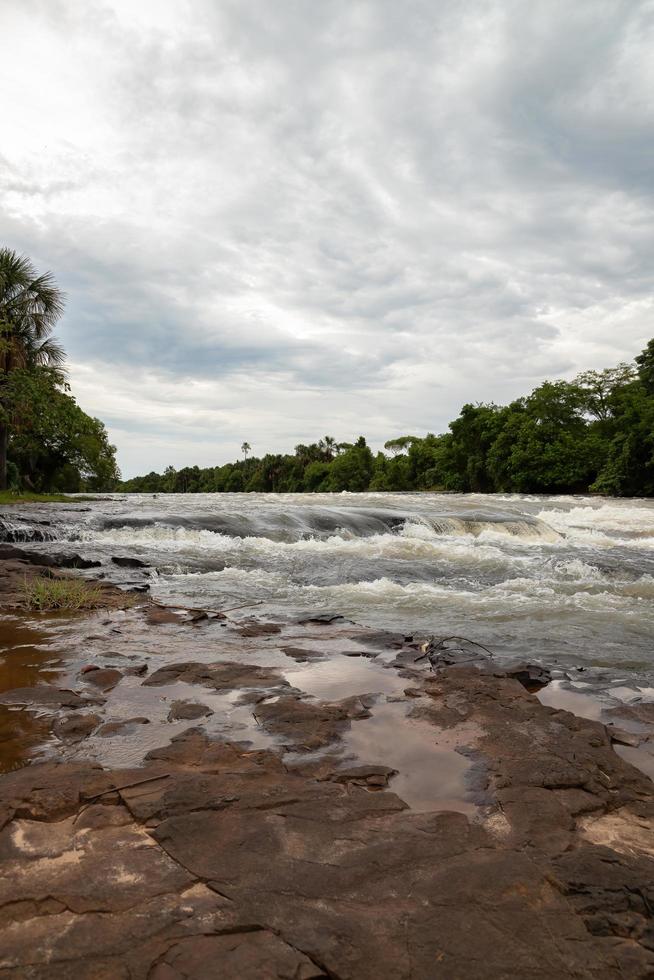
{"x":216,"y":796}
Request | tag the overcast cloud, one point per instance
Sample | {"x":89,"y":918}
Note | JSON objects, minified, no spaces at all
{"x":276,"y":219}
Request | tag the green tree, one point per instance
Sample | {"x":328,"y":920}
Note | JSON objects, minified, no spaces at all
{"x":545,"y":443}
{"x":30,"y":305}
{"x":400,"y":444}
{"x":53,"y":443}
{"x":645,"y":362}
{"x":598,"y":389}
{"x":353,"y":469}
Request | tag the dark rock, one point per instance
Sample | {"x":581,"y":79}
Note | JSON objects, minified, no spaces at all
{"x":139,"y":670}
{"x":371,"y":776}
{"x":301,"y":655}
{"x":454,"y":652}
{"x":323,"y":619}
{"x":49,"y":560}
{"x":221,"y":676}
{"x":187,"y":711}
{"x":308,"y":725}
{"x":105,"y":678}
{"x":236,"y":956}
{"x":260,"y":629}
{"x":126,"y":727}
{"x":622,"y":737}
{"x":75,"y":727}
{"x":384,"y":640}
{"x":51,"y":697}
{"x":197,"y":615}
{"x":158,"y":615}
{"x":531,"y":676}
{"x":123,"y":561}
{"x":641,"y":713}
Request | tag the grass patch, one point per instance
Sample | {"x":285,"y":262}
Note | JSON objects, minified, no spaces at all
{"x":73,"y":594}
{"x":11,"y":497}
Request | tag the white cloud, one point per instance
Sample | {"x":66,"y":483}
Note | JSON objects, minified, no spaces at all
{"x":275,"y":220}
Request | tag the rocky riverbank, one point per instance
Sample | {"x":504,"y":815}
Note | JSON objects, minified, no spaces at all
{"x":211,"y":795}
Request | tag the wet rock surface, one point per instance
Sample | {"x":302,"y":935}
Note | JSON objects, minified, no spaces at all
{"x":188,"y":710}
{"x":227,"y":864}
{"x":214,"y":855}
{"x":71,"y":560}
{"x":306,"y":725}
{"x":220,"y":676}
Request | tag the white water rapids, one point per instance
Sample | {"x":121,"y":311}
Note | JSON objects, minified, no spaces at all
{"x":563,"y":579}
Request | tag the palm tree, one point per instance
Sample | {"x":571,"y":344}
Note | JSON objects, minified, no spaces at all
{"x":30,"y":305}
{"x":245,"y":449}
{"x":329,"y":446}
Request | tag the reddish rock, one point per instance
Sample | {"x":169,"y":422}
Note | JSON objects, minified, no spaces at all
{"x":127,"y":727}
{"x":223,"y":676}
{"x":75,"y":727}
{"x":188,"y":711}
{"x":308,"y":725}
{"x":105,"y":678}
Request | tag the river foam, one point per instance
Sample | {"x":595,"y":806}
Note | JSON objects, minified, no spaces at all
{"x":564,"y":578}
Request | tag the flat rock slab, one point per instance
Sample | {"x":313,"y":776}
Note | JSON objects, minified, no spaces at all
{"x":104,"y":678}
{"x":225,"y":676}
{"x":301,"y":655}
{"x":212,"y":860}
{"x":127,"y":727}
{"x":308,"y":725}
{"x":75,"y":727}
{"x":228,"y":865}
{"x":258,"y":954}
{"x":51,"y":697}
{"x":259,"y":629}
{"x":125,"y":561}
{"x":188,"y":711}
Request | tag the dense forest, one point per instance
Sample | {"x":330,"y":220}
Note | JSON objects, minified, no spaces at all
{"x":595,"y":433}
{"x":47,"y":443}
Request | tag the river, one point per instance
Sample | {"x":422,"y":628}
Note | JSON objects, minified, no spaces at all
{"x":567,"y":580}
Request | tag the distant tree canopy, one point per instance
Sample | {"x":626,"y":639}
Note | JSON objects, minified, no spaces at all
{"x":47,"y":443}
{"x":595,"y":433}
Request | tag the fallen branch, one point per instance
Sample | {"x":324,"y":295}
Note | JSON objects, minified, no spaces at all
{"x":117,"y":789}
{"x":440,"y":645}
{"x":203,"y":609}
{"x":259,"y":602}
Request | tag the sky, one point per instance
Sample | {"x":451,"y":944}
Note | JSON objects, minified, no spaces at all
{"x":280,"y":219}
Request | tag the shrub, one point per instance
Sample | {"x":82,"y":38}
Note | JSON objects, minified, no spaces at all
{"x":47,"y":594}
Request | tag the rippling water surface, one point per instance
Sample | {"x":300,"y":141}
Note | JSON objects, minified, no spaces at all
{"x":567,"y":579}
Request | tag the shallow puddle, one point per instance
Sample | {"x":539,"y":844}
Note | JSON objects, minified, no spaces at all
{"x":343,"y":677}
{"x":228,"y":720}
{"x":557,"y":696}
{"x":25,"y":661}
{"x":589,"y":706}
{"x":641,"y":758}
{"x":431,"y":776}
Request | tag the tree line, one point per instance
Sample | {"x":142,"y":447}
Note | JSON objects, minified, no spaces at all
{"x":592,"y":434}
{"x":47,"y":443}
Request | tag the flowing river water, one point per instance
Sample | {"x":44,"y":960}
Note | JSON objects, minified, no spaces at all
{"x":566,"y":581}
{"x":569,"y":580}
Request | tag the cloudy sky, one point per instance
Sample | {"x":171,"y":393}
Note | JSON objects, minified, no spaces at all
{"x":276,"y":219}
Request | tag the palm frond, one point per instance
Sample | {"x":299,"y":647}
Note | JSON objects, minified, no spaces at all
{"x":30,"y":304}
{"x":47,"y":353}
